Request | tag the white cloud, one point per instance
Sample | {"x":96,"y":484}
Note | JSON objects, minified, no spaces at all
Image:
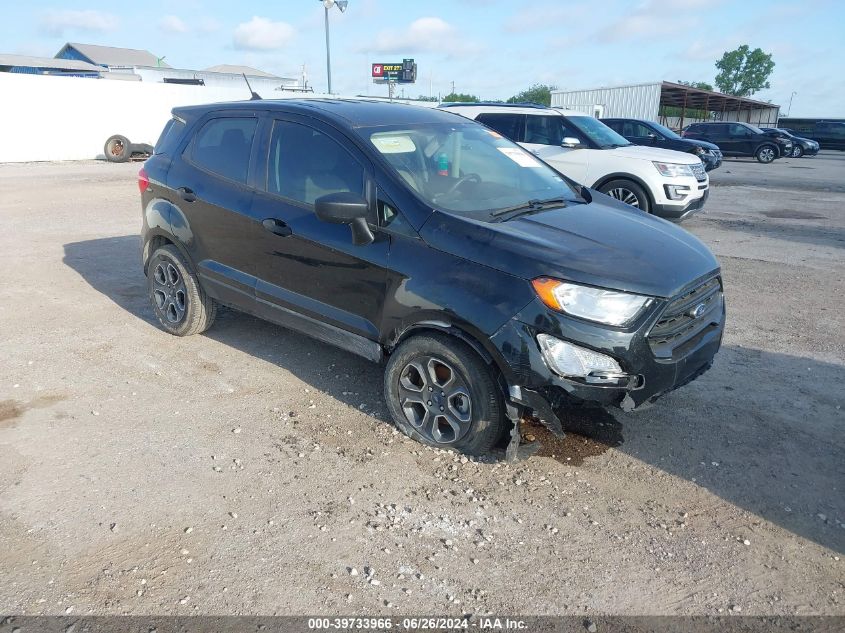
{"x":172,"y":24}
{"x":261,"y":34}
{"x":55,"y":21}
{"x":652,"y":19}
{"x":430,"y":34}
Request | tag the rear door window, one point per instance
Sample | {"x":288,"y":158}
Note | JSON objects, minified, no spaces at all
{"x":545,"y":130}
{"x":508,"y":125}
{"x":306,"y":164}
{"x":223,"y":146}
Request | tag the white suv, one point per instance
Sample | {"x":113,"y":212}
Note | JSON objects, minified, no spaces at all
{"x":670,"y":184}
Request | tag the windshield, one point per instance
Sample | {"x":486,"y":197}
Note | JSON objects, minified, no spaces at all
{"x":665,"y":131}
{"x":598,"y":132}
{"x":466,"y":168}
{"x":754,"y":128}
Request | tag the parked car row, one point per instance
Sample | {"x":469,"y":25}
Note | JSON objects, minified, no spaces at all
{"x":742,"y":139}
{"x":667,"y":183}
{"x":642,"y":132}
{"x":826,"y":134}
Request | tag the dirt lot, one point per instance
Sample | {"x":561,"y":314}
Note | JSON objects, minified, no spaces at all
{"x":254,"y":471}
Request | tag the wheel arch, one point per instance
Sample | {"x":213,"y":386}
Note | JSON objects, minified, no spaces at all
{"x":460,"y":332}
{"x":626,"y":176}
{"x":157,"y":239}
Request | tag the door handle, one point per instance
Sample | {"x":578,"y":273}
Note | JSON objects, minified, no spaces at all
{"x":186,"y":194}
{"x":277,"y":226}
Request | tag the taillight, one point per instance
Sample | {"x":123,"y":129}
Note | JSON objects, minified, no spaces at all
{"x":143,"y":180}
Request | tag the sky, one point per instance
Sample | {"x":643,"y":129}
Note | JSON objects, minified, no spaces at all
{"x":490,"y":48}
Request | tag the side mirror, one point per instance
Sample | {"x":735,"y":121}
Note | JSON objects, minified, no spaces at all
{"x":346,"y":208}
{"x":570,"y":141}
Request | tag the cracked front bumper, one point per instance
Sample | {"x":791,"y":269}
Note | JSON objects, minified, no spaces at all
{"x":645,"y":377}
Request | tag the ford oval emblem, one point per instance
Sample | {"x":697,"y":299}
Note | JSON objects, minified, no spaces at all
{"x":698,"y":310}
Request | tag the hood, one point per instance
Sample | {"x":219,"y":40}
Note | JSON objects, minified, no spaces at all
{"x":694,"y":142}
{"x":603,"y":243}
{"x":644,"y":152}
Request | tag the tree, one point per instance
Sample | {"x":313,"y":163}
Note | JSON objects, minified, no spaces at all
{"x":460,"y":97}
{"x":538,"y":93}
{"x":424,"y":98}
{"x":701,"y":85}
{"x":743,"y":72}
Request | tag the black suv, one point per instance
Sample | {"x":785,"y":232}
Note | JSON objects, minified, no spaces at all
{"x":642,"y":132}
{"x":491,"y":286}
{"x":741,"y":139}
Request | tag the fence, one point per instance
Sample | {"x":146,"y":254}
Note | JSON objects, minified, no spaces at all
{"x":68,"y":118}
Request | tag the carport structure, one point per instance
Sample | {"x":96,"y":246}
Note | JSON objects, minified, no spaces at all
{"x":673,"y":104}
{"x":726,"y":107}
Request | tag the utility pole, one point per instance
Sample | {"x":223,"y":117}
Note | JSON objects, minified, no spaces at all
{"x":453,"y":87}
{"x":328,"y":51}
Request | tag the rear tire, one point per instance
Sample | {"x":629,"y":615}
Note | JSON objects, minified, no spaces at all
{"x":766,"y":153}
{"x":629,"y":192}
{"x":441,"y":393}
{"x":180,"y":304}
{"x":117,"y":149}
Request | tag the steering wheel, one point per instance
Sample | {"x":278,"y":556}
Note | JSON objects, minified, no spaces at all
{"x":462,"y":180}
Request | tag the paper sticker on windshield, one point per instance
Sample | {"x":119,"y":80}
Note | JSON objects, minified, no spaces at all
{"x":519,"y":157}
{"x":393,"y":143}
{"x":494,"y":134}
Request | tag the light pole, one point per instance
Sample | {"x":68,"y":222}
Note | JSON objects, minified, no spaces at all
{"x":328,"y":4}
{"x":789,"y":109}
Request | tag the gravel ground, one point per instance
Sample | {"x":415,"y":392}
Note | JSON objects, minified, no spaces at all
{"x":251,"y":470}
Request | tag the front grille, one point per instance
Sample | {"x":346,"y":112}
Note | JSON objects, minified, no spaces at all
{"x":678,"y":330}
{"x":700,"y":173}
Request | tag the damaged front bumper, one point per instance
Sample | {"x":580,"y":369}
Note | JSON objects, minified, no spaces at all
{"x":649,"y":369}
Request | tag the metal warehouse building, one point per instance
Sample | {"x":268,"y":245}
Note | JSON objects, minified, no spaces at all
{"x":674,"y":105}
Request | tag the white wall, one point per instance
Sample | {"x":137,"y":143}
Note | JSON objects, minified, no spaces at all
{"x":69,"y":118}
{"x":640,"y":101}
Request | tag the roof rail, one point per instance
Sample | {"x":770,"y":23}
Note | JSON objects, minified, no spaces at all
{"x":527,"y":104}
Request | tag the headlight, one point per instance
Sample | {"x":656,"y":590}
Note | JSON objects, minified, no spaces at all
{"x":671,"y":170}
{"x":566,"y":359}
{"x":610,"y":307}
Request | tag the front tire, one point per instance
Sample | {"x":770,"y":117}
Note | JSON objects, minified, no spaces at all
{"x":797,"y":151}
{"x":628,"y":192}
{"x":180,"y":304}
{"x":766,"y":154}
{"x":441,"y":393}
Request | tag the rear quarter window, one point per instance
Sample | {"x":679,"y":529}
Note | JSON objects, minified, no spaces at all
{"x":170,"y":137}
{"x":223,"y":146}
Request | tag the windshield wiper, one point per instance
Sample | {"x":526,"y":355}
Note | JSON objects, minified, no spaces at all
{"x":532,"y":206}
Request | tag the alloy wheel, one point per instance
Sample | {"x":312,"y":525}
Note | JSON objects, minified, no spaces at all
{"x":169,"y":292}
{"x":435,"y":399}
{"x":625,"y":195}
{"x":767,"y":154}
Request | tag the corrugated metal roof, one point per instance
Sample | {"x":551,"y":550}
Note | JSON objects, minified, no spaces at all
{"x":48,"y":63}
{"x":240,"y":70}
{"x":112,"y":56}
